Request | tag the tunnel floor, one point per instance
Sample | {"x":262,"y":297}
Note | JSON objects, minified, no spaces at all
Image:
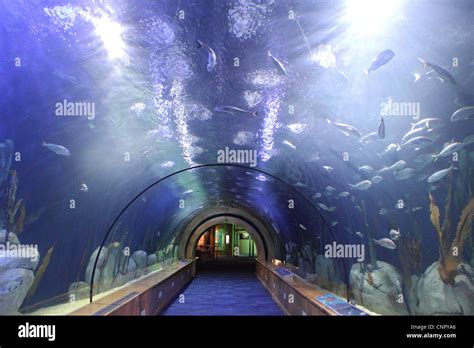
{"x":225,"y":292}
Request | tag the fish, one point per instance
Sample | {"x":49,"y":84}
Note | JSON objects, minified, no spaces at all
{"x":303,"y":227}
{"x":397,"y":166}
{"x":449,"y":149}
{"x":412,"y":132}
{"x":345,"y":128}
{"x":369,"y":138}
{"x":386,"y":243}
{"x":394,"y":234}
{"x":389,"y":149}
{"x":358,"y":209}
{"x":211,"y":58}
{"x":232,"y":110}
{"x":188,"y":192}
{"x":442,"y":73}
{"x":359,"y":234}
{"x":317,"y":195}
{"x":468,"y":140}
{"x":280,"y":67}
{"x":334,"y":223}
{"x":328,"y":169}
{"x":417,"y":141}
{"x":325,"y":207}
{"x":381,"y":130}
{"x":463,"y":114}
{"x":382,"y":58}
{"x":376,"y":179}
{"x":416,"y":209}
{"x":404,"y":174}
{"x":428,"y":123}
{"x":439,"y":174}
{"x":424,"y":158}
{"x":330,"y":189}
{"x":84,"y":187}
{"x":286,"y":142}
{"x":361,"y":186}
{"x":57,"y":149}
{"x":366,"y":169}
{"x":383,"y":211}
{"x":344,"y":194}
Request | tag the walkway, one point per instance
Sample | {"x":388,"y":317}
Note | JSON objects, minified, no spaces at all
{"x":224,"y":292}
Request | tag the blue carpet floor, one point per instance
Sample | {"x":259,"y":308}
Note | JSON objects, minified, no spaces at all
{"x":224,"y":293}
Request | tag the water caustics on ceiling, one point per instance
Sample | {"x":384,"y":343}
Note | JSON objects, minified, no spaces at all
{"x":103,"y":99}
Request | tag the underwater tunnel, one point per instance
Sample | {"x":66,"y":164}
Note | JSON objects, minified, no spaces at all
{"x":236,"y":158}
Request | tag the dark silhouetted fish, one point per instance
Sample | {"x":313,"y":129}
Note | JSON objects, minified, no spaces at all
{"x":381,"y":130}
{"x":382,"y":58}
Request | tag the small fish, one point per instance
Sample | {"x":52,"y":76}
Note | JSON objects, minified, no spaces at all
{"x":286,"y":142}
{"x":317,"y":195}
{"x":417,"y":141}
{"x":84,"y":187}
{"x":345,"y":128}
{"x":188,"y":192}
{"x":468,"y":140}
{"x":376,"y":179}
{"x":382,"y":58}
{"x":404,"y":174}
{"x":449,"y":149}
{"x":413,"y":131}
{"x":359,"y":234}
{"x":389,"y":149}
{"x":330,"y":189}
{"x":366,"y":139}
{"x":303,"y":227}
{"x":381,"y":130}
{"x":325,"y":207}
{"x":57,"y":149}
{"x":386,"y":243}
{"x":366,"y":169}
{"x":211,"y":58}
{"x":344,"y":194}
{"x":358,"y":209}
{"x":442,"y":73}
{"x":394,"y":234}
{"x":463,"y":114}
{"x":280,"y":67}
{"x":416,"y":209}
{"x":328,"y":169}
{"x":232,"y":110}
{"x":361,"y":186}
{"x":439,"y":174}
{"x":383,"y":211}
{"x":428,"y":123}
{"x":334,"y":223}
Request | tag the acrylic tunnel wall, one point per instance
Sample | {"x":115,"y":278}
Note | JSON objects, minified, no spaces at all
{"x":117,"y":132}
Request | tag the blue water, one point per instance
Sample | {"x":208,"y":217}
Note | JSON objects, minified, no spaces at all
{"x":146,"y":146}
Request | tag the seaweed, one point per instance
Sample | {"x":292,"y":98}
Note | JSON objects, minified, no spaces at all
{"x":451,"y":241}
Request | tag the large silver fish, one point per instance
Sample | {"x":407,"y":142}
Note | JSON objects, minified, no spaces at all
{"x":449,"y":149}
{"x":345,"y":128}
{"x":439,"y":174}
{"x":361,"y":186}
{"x":386,"y":243}
{"x":211,"y":58}
{"x":463,"y":114}
{"x":280,"y":67}
{"x":442,"y":73}
{"x":232,"y":110}
{"x":57,"y":149}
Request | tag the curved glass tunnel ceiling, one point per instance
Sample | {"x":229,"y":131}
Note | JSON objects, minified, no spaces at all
{"x":148,"y":104}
